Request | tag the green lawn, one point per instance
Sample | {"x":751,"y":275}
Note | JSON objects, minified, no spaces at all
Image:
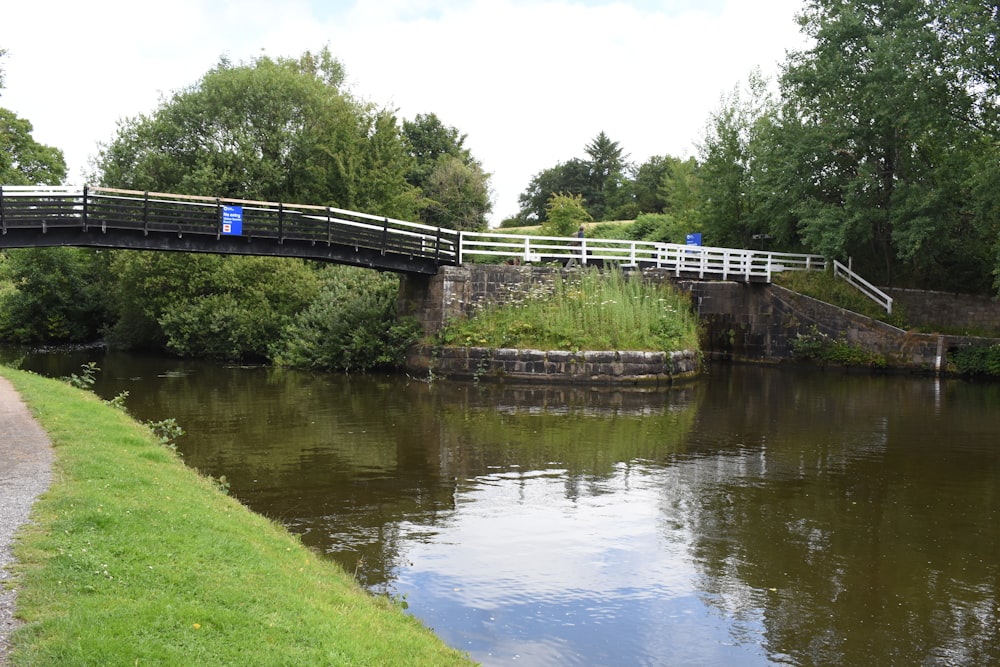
{"x":135,"y":559}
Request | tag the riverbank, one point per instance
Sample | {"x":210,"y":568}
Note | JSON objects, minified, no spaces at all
{"x":133,"y":558}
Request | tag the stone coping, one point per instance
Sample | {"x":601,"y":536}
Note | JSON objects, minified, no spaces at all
{"x":555,"y":366}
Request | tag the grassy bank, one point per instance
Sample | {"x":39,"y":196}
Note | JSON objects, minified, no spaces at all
{"x":134,"y":559}
{"x":591,"y":310}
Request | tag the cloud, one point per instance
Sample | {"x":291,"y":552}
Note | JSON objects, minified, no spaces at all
{"x":530,"y":83}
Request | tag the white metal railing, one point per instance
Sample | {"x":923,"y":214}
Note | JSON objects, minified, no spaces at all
{"x":700,"y":261}
{"x":866,"y":288}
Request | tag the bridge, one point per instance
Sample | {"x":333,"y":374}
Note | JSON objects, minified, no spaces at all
{"x":113,"y":218}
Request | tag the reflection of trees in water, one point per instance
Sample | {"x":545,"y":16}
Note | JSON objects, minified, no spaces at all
{"x":846,"y":516}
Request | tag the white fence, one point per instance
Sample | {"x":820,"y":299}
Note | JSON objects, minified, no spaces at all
{"x":866,"y":288}
{"x":694,"y":261}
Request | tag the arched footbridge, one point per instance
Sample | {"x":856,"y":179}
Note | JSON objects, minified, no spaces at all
{"x":113,"y":218}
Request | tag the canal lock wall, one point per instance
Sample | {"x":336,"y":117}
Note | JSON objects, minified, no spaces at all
{"x":751,"y":322}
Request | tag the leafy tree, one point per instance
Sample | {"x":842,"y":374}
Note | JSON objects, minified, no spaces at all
{"x":572,"y":177}
{"x":54,"y":295}
{"x":273,"y":129}
{"x":456,"y":195}
{"x":564,"y":215}
{"x":730,"y":170}
{"x":648,"y":185}
{"x":454,"y":187}
{"x":883,"y":120}
{"x":208,"y":305}
{"x":24,"y":161}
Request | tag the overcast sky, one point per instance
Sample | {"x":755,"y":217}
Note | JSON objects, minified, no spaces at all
{"x":530,"y":83}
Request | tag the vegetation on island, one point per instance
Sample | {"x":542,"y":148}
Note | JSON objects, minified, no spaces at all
{"x":585,"y":310}
{"x":174,"y":572}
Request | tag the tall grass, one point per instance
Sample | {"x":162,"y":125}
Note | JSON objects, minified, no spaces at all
{"x":590,"y":310}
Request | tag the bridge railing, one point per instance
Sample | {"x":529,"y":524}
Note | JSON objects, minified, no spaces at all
{"x":862,"y":285}
{"x":682,"y":260}
{"x":161,"y":213}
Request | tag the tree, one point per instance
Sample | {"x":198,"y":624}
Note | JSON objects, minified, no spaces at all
{"x":607,"y":166}
{"x":884,"y":121}
{"x":54,"y":295}
{"x":564,"y":215}
{"x":730,"y":169}
{"x":278,"y":130}
{"x":24,"y":161}
{"x":454,"y":187}
{"x":569,"y":177}
{"x":456,"y":195}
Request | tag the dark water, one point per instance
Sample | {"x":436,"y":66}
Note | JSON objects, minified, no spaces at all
{"x":761,"y":516}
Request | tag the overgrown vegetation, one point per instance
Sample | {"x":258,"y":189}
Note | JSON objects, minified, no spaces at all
{"x":585,"y":310}
{"x":132,"y":558}
{"x":825,"y":286}
{"x":979,"y":360}
{"x":817,"y":347}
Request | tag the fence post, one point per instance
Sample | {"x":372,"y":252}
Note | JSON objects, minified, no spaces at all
{"x":281,"y":223}
{"x":385,"y":234}
{"x":85,"y":207}
{"x":3,"y":220}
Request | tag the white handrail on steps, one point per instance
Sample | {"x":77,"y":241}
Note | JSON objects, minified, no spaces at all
{"x":866,"y":288}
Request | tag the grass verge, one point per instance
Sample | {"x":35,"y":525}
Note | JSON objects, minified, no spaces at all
{"x":134,"y":559}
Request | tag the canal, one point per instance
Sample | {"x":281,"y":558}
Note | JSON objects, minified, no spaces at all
{"x":760,"y":516}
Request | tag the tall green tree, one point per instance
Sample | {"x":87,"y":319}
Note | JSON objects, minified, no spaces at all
{"x":453,"y":186}
{"x":883,"y":123}
{"x":731,"y":168}
{"x":608,"y":192}
{"x":24,"y":161}
{"x":273,"y":129}
{"x":568,"y":177}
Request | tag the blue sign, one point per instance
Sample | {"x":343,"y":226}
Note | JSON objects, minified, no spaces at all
{"x":694,"y":239}
{"x":232,"y":220}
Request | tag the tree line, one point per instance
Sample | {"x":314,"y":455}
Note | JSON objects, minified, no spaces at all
{"x":880,"y":141}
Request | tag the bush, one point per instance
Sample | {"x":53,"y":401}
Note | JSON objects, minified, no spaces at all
{"x":820,"y":348}
{"x":981,"y":360}
{"x":351,"y":327}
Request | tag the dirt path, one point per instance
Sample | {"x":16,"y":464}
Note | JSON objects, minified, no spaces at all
{"x":25,"y":472}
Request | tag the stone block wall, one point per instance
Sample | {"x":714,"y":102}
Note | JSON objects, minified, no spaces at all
{"x":943,"y":310}
{"x":640,"y":368}
{"x":741,"y":321}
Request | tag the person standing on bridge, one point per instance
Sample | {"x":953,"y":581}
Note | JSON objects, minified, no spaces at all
{"x":579,"y":232}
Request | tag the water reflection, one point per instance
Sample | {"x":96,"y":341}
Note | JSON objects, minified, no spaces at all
{"x":760,"y":517}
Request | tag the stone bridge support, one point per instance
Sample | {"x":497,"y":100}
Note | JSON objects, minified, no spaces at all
{"x":741,"y":321}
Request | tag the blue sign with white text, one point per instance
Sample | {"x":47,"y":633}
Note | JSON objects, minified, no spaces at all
{"x":694,"y":239}
{"x":232,"y":220}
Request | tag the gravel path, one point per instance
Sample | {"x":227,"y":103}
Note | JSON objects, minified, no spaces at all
{"x":25,"y":472}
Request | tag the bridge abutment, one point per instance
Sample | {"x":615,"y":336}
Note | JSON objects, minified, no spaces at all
{"x":741,"y":321}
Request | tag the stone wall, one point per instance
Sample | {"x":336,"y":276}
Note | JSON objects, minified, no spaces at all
{"x":943,"y":310}
{"x":639,"y":368}
{"x":741,"y":321}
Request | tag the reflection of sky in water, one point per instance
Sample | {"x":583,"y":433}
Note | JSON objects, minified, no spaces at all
{"x":594,"y":572}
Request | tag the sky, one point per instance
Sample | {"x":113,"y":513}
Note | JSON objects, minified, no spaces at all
{"x":529,"y":82}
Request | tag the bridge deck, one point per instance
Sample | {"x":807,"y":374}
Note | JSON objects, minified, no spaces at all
{"x":111,"y":218}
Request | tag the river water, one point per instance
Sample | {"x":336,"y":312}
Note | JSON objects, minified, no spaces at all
{"x":759,"y":516}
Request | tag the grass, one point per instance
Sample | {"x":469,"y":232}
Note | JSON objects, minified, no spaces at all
{"x":134,"y":559}
{"x":592,"y":310}
{"x":824,"y":286}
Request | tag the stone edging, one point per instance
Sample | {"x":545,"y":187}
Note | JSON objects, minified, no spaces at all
{"x":556,"y":366}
